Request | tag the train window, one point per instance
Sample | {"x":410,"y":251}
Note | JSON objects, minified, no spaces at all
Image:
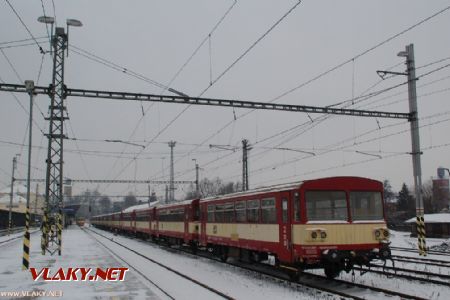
{"x":296,"y":207}
{"x":241,"y":215}
{"x":268,"y":211}
{"x":366,"y":206}
{"x":211,"y":213}
{"x":219,"y":213}
{"x":228,"y":212}
{"x":253,"y":211}
{"x":326,"y":205}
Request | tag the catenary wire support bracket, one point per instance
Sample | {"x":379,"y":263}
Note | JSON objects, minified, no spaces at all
{"x":210,"y":102}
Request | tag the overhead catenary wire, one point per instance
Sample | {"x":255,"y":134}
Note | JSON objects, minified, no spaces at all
{"x":24,"y":25}
{"x":332,"y":69}
{"x":221,"y":75}
{"x":338,"y":66}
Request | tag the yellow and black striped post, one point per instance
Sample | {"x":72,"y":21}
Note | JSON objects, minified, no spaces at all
{"x":420,"y":222}
{"x":59,"y":224}
{"x":44,"y":237}
{"x":26,"y":242}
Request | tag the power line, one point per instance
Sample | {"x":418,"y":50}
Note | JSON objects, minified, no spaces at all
{"x":251,"y":47}
{"x":338,"y":66}
{"x":24,"y":25}
{"x":363,"y":53}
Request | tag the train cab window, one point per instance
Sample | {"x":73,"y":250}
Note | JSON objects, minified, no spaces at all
{"x":268,"y":211}
{"x":241,"y":215}
{"x":366,"y":206}
{"x":326,"y":205}
{"x":296,"y":207}
{"x":211,"y":213}
{"x":253,"y":211}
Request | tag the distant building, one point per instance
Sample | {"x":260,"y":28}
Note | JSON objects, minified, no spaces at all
{"x":19,"y":200}
{"x":436,"y":225}
{"x":441,"y":192}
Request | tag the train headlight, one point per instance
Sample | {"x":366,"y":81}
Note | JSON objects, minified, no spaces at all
{"x":377,"y":233}
{"x":314,"y":235}
{"x":386,"y":233}
{"x":323,"y":235}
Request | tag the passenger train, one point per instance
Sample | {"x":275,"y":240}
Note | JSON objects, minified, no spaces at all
{"x":331,"y":223}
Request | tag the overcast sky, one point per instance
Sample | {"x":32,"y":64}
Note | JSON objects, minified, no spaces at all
{"x":156,"y":38}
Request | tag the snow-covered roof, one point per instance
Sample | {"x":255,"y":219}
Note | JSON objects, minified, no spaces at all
{"x":18,"y":189}
{"x":140,"y":206}
{"x":16,"y":199}
{"x":433,"y":218}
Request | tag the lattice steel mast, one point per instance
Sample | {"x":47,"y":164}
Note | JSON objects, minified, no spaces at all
{"x":53,"y":220}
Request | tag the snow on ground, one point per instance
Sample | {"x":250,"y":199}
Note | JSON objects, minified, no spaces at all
{"x":79,"y":250}
{"x":227,"y":279}
{"x":427,"y":291}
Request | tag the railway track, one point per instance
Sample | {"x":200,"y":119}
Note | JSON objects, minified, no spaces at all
{"x":6,"y":242}
{"x":337,"y":287}
{"x":406,"y":273}
{"x":422,"y":261}
{"x":167,"y":268}
{"x":433,"y":252}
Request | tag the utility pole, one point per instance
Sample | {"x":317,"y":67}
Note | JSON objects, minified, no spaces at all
{"x":197,"y":190}
{"x":11,"y":195}
{"x":35,"y":203}
{"x":26,"y":237}
{"x":245,"y":149}
{"x":171,"y":185}
{"x":415,"y":143}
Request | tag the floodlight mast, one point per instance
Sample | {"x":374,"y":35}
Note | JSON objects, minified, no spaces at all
{"x":52,"y":224}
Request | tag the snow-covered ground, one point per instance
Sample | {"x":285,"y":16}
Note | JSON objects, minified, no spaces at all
{"x":80,"y":249}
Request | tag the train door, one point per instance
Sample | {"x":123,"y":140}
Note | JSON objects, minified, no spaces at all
{"x":187,"y":212}
{"x":285,"y":229}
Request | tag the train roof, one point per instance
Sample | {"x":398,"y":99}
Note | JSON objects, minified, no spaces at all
{"x":263,"y":189}
{"x":140,"y":207}
{"x":278,"y":188}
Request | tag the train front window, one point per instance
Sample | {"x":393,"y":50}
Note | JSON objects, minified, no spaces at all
{"x":326,"y":205}
{"x":366,"y":206}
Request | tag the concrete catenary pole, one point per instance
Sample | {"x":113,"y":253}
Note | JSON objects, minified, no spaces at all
{"x":415,"y":143}
{"x":171,"y":183}
{"x":29,"y":84}
{"x":11,"y":195}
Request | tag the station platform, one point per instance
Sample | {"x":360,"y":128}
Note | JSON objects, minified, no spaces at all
{"x":79,"y":250}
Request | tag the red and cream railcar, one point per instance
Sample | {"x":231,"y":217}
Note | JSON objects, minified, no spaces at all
{"x":114,"y":221}
{"x":128,"y":221}
{"x":178,"y":223}
{"x":145,"y":220}
{"x":331,"y":223}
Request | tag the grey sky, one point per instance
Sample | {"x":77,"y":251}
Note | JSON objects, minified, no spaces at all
{"x":155,"y":38}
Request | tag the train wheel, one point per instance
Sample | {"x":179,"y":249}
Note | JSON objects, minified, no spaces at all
{"x":194,"y":247}
{"x":223,"y":255}
{"x":294,"y":275}
{"x":332,"y":270}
